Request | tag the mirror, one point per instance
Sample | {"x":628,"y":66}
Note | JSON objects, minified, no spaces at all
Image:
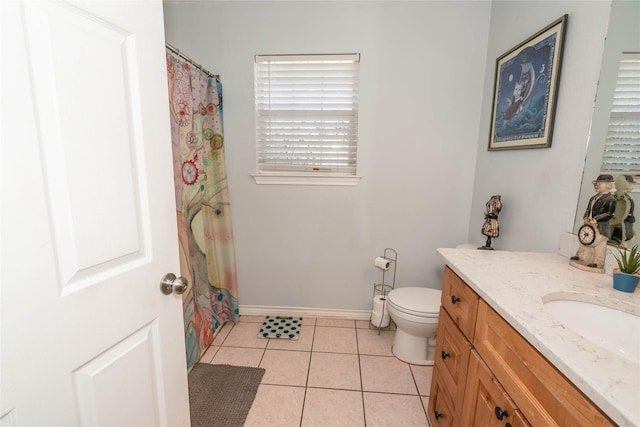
{"x":623,"y":35}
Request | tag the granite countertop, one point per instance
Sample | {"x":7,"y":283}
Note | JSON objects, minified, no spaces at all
{"x":515,"y":283}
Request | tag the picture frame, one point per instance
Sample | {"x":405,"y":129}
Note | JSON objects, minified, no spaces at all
{"x":525,"y":90}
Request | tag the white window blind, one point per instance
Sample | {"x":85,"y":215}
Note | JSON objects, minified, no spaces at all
{"x":307,"y":113}
{"x":622,"y":145}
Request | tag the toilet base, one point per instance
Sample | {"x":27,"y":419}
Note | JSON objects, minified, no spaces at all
{"x":412,"y":349}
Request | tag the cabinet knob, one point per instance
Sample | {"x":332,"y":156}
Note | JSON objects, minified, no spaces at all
{"x":437,"y":414}
{"x":455,"y":299}
{"x":500,"y":414}
{"x":507,"y":425}
{"x":444,"y":355}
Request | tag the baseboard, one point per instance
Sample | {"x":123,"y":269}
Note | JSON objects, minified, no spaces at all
{"x":263,"y":310}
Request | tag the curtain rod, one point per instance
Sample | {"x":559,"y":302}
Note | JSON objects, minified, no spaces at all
{"x":191,"y":61}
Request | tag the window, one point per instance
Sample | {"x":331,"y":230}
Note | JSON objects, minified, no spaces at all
{"x":622,"y":145}
{"x":307,"y":118}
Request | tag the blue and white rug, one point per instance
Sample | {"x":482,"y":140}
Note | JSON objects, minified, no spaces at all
{"x":280,"y":327}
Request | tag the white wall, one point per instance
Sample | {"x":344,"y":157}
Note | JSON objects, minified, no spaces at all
{"x":539,"y":187}
{"x":420,"y":94}
{"x":426,"y":87}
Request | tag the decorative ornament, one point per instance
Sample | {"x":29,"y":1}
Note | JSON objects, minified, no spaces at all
{"x":622,"y":223}
{"x":587,"y":234}
{"x":595,"y":232}
{"x":491,"y":228}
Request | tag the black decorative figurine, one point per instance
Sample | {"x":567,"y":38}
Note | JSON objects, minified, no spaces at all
{"x":490,"y":228}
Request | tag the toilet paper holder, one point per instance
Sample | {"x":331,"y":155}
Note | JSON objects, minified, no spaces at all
{"x":391,"y":256}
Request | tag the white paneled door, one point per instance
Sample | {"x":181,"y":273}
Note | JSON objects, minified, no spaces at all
{"x":88,"y":219}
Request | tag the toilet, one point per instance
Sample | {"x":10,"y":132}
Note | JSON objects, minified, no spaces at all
{"x":415,"y":312}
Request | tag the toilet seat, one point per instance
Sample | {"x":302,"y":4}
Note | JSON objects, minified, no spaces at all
{"x":417,"y":301}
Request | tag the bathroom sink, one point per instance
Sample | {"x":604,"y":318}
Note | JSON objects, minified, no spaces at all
{"x":612,"y":329}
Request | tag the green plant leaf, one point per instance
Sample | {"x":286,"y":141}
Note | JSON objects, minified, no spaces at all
{"x":628,"y":260}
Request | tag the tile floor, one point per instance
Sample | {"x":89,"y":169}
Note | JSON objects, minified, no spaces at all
{"x":338,"y":373}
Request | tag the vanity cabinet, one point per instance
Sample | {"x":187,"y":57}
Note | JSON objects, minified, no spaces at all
{"x":487,"y":374}
{"x":542,"y":393}
{"x":452,"y":358}
{"x":456,"y":327}
{"x":441,"y":410}
{"x":460,"y":301}
{"x":486,"y":402}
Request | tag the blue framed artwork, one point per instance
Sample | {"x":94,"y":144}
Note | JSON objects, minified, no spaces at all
{"x":525,"y":91}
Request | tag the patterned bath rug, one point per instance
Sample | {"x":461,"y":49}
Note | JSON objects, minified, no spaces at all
{"x":280,"y":327}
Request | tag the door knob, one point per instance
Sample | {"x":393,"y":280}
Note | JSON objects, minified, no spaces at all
{"x":170,"y":283}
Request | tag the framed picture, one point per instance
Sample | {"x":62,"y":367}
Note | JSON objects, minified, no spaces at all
{"x":525,"y":91}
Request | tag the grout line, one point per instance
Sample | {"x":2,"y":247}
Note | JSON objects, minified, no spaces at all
{"x":364,"y":412}
{"x":422,"y":402}
{"x":264,"y":350}
{"x":415,"y":383}
{"x":306,"y":385}
{"x":231,"y":326}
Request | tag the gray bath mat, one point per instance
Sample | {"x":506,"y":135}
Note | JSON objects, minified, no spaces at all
{"x":221,"y":395}
{"x":280,"y":327}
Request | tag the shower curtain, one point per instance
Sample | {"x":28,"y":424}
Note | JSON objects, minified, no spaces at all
{"x":207,"y":255}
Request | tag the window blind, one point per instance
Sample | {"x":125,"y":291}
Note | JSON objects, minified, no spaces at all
{"x":307,"y":113}
{"x":622,"y":144}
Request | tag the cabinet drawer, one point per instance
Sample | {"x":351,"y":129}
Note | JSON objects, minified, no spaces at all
{"x":486,"y":402}
{"x":441,"y":412}
{"x":460,"y":301}
{"x":541,"y":392}
{"x":452,"y":358}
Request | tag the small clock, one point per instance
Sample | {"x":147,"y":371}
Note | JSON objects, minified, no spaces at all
{"x":587,"y":234}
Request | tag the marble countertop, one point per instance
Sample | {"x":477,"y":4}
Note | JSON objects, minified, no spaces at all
{"x":515,"y":283}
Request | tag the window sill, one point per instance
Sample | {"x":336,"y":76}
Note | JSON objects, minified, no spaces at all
{"x":305,"y":179}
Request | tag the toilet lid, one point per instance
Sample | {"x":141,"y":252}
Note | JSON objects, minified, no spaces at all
{"x":419,"y":301}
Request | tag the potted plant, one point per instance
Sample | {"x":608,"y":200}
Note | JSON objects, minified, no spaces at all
{"x":625,"y":278}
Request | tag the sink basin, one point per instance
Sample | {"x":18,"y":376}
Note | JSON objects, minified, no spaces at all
{"x":612,"y":329}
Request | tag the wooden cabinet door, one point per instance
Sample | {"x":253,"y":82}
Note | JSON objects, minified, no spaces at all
{"x":460,"y":301}
{"x":452,"y":358}
{"x":441,"y":412}
{"x":486,"y":402}
{"x":541,"y":392}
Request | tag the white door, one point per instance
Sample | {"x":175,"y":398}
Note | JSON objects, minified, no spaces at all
{"x":88,"y":220}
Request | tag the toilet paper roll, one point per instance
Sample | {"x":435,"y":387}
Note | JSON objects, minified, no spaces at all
{"x":379,"y":315}
{"x":382,"y":263}
{"x":379,"y":304}
{"x":378,"y":322}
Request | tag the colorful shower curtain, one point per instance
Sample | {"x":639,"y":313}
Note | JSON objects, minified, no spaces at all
{"x":207,"y":255}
